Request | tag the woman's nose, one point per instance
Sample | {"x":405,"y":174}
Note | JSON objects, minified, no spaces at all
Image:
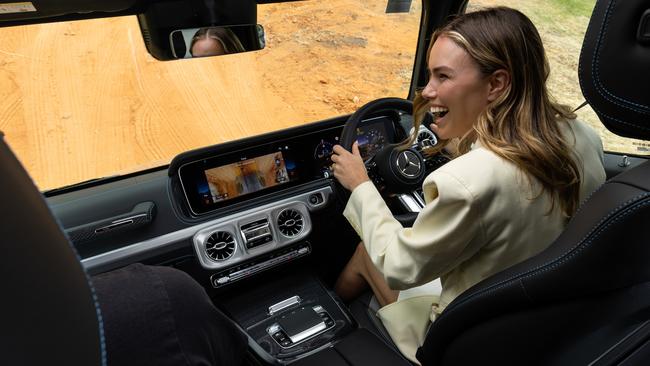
{"x":429,"y":91}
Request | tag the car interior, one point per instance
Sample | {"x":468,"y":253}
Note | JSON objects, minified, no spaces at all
{"x":257,"y":222}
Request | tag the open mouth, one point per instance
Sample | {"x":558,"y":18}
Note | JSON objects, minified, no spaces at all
{"x":438,"y":112}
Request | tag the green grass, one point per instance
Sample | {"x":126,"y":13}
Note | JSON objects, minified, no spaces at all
{"x":574,"y":7}
{"x":557,"y":16}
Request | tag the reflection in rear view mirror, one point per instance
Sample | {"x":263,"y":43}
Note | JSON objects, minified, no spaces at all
{"x":216,"y":41}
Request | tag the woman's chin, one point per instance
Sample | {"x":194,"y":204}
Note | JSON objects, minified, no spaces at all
{"x":441,"y":133}
{"x":439,"y":129}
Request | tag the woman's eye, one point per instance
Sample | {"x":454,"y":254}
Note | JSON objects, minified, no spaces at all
{"x":443,"y":77}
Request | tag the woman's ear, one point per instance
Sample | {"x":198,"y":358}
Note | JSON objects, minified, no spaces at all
{"x":498,"y":83}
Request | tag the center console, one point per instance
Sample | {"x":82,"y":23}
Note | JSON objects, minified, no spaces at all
{"x":290,"y":317}
{"x":296,"y":320}
{"x":251,"y":203}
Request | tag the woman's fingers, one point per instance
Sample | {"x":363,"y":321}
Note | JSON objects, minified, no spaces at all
{"x":355,"y":149}
{"x":348,"y":167}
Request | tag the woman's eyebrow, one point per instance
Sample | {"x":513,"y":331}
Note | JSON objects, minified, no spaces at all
{"x":441,"y":69}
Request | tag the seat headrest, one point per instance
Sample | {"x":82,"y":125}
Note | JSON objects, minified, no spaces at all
{"x":614,"y":67}
{"x":48,"y":310}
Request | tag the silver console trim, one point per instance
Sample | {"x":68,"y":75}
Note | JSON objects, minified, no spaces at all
{"x":276,"y":308}
{"x":418,"y":198}
{"x":410,"y":203}
{"x":178,"y":239}
{"x":220,"y":279}
{"x":244,"y":232}
{"x":269,"y":213}
{"x":308,"y":332}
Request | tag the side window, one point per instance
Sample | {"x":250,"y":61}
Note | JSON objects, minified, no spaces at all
{"x":562,"y":25}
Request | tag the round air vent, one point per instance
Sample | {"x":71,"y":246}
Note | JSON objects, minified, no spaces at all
{"x":220,"y":246}
{"x":290,"y":222}
{"x":426,"y":138}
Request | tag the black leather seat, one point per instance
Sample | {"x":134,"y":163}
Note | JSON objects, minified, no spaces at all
{"x":586,"y":299}
{"x":48,"y":312}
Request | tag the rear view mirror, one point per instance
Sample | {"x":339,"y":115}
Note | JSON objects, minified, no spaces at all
{"x":216,"y":41}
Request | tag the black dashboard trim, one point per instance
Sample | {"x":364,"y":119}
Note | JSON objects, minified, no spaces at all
{"x":241,"y":144}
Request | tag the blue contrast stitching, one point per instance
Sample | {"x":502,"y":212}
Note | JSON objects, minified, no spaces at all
{"x":583,"y":55}
{"x":102,"y":338}
{"x":619,"y":120}
{"x":582,"y":204}
{"x":595,"y":67}
{"x":569,"y":256}
{"x":100,"y":319}
{"x":563,"y":258}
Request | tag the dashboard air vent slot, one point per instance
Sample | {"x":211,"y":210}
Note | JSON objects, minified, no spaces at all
{"x":290,"y":222}
{"x":426,"y":138}
{"x":220,"y":246}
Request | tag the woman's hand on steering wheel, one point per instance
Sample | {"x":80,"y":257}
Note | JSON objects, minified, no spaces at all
{"x":348,"y":167}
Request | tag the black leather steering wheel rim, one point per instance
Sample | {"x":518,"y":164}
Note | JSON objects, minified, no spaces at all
{"x":391,"y":167}
{"x":348,"y":136}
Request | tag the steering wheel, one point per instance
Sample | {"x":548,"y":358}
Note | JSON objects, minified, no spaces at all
{"x":393,"y":169}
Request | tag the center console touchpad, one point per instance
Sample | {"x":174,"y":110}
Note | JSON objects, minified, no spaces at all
{"x":301,"y":324}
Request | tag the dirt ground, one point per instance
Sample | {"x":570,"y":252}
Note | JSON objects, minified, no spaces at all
{"x":81,"y":100}
{"x":562,"y":34}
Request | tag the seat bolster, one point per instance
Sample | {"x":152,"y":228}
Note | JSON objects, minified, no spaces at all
{"x":584,"y":261}
{"x":50,"y":309}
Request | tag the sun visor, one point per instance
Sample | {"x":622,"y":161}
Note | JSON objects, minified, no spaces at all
{"x":614,"y":66}
{"x":23,"y":11}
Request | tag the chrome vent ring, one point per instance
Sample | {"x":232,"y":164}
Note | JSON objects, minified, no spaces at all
{"x":220,"y":246}
{"x":290,"y":222}
{"x":426,"y":137}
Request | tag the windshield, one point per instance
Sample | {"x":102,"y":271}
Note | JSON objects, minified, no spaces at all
{"x":83,"y":100}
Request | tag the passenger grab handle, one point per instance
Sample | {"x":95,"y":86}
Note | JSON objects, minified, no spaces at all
{"x":142,"y":214}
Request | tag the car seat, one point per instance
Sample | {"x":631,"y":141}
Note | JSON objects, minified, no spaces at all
{"x":48,"y":311}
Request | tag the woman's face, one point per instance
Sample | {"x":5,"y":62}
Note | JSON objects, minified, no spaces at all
{"x":207,"y":47}
{"x":457,"y":92}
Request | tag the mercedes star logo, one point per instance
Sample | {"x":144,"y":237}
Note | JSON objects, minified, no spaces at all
{"x":408,"y":164}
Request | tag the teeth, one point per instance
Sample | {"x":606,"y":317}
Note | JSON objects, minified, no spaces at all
{"x":438,"y":112}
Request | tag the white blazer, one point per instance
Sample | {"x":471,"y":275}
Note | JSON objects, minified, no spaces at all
{"x":482,"y":215}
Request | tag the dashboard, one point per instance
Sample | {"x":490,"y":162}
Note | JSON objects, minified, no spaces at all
{"x":252,"y":201}
{"x":243,"y":206}
{"x":217,"y":180}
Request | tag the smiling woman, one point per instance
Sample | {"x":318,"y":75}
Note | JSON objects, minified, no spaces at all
{"x":519,"y":152}
{"x":456,"y":85}
{"x":81,"y":100}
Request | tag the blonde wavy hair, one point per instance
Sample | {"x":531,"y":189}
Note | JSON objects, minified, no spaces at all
{"x":522,"y":125}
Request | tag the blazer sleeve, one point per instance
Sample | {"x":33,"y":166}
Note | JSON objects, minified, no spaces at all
{"x":446,"y":232}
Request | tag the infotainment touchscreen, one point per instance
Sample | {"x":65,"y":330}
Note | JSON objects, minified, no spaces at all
{"x":212,"y":183}
{"x":244,"y":177}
